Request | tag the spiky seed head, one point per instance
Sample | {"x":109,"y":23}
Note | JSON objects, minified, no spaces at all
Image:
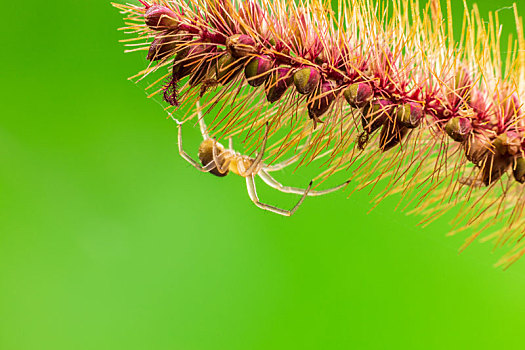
{"x":508,"y":143}
{"x":240,"y":45}
{"x":519,"y":170}
{"x":306,"y":80}
{"x":321,"y":100}
{"x":375,"y":114}
{"x":163,"y":46}
{"x":410,"y":115}
{"x":206,"y":155}
{"x":424,"y":69}
{"x":458,"y":128}
{"x":358,"y":95}
{"x":276,"y":85}
{"x":256,"y":71}
{"x":159,"y":17}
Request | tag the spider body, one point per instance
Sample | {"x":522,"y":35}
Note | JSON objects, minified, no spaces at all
{"x":206,"y":156}
{"x":225,"y":160}
{"x":219,"y":161}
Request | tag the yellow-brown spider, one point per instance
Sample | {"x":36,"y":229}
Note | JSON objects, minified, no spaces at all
{"x":219,"y":161}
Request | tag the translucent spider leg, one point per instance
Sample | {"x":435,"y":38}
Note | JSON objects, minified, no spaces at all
{"x":294,"y":158}
{"x":291,"y":160}
{"x":202,"y":123}
{"x":252,"y":192}
{"x":221,"y":166}
{"x":272,"y":182}
{"x":260,"y":154}
{"x":207,"y":168}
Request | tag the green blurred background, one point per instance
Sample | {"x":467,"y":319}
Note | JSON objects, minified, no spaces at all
{"x":109,"y":240}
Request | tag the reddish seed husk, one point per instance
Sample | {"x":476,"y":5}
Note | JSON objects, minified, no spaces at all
{"x":476,"y":148}
{"x":391,"y":135}
{"x":519,"y":170}
{"x":191,"y":59}
{"x":494,"y":166}
{"x":306,"y":80}
{"x":277,"y":84}
{"x":321,"y":102}
{"x":257,"y":70}
{"x":358,"y":95}
{"x":227,"y":68}
{"x":163,"y":46}
{"x":410,"y":115}
{"x":497,"y":162}
{"x":508,"y":143}
{"x":458,"y":128}
{"x":375,"y":114}
{"x":240,"y":45}
{"x":160,"y":17}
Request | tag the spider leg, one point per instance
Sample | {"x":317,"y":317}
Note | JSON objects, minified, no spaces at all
{"x":272,"y":182}
{"x":221,"y":161}
{"x":202,"y":123}
{"x":252,"y":192}
{"x":258,"y":159}
{"x":230,"y":143}
{"x":293,"y":159}
{"x":208,"y":167}
{"x":283,"y":164}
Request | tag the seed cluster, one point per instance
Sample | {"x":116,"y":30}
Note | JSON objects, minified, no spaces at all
{"x":390,"y":96}
{"x":220,"y":57}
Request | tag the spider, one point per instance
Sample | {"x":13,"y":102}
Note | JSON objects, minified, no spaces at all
{"x":217,"y":160}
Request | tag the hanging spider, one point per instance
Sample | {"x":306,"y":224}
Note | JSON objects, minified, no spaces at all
{"x":217,"y":160}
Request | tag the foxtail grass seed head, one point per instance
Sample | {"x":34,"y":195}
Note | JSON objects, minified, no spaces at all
{"x":357,"y":72}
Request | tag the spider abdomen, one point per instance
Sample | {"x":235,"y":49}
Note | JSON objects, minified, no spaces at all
{"x":206,"y":156}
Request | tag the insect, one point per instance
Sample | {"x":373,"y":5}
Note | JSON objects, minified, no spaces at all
{"x":219,"y":161}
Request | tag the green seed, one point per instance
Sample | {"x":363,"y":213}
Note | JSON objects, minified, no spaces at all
{"x":306,"y":80}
